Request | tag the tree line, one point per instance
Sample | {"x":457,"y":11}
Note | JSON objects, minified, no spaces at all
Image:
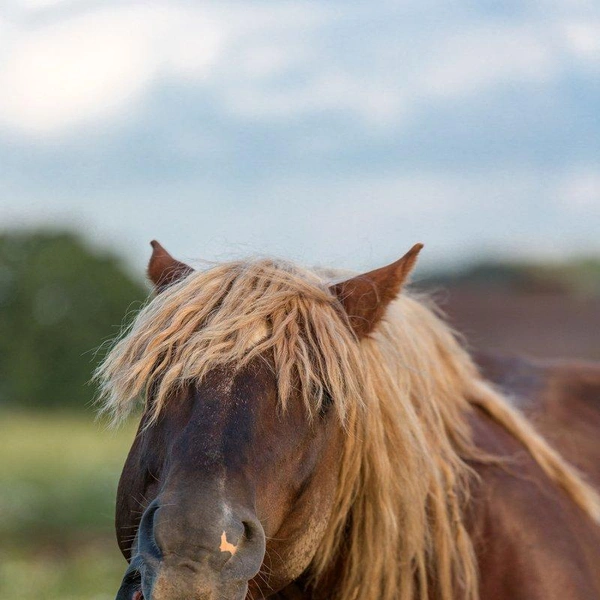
{"x":60,"y":301}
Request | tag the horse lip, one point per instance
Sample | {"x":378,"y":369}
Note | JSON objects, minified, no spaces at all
{"x":136,"y":585}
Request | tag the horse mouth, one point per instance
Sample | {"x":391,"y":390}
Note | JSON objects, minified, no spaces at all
{"x":133,"y":587}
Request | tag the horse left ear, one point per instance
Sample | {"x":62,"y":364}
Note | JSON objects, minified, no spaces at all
{"x":365,"y":297}
{"x":163,"y":269}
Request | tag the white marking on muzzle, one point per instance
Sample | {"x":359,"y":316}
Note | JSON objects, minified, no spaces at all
{"x":226,"y":546}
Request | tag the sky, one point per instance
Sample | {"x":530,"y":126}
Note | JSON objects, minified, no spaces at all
{"x":334,"y":132}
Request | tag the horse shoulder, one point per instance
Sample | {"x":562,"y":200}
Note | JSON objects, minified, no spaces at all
{"x":532,"y":542}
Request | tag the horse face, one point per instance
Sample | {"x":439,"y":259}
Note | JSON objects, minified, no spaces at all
{"x":226,"y":491}
{"x":226,"y":482}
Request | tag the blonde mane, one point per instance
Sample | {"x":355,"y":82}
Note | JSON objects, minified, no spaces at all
{"x":403,"y":395}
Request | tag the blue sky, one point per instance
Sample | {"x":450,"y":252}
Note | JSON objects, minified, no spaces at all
{"x":329,"y":132}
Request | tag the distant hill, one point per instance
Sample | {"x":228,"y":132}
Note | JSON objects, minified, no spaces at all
{"x":580,"y":277}
{"x":540,"y":310}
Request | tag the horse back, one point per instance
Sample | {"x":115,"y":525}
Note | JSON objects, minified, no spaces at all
{"x":562,"y":400}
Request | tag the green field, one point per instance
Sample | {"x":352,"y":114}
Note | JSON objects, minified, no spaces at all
{"x":58,"y":477}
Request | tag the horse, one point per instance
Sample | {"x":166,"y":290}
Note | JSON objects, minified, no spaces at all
{"x":309,"y":436}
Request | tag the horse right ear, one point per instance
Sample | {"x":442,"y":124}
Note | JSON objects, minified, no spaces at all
{"x":163,"y":269}
{"x":366,"y":296}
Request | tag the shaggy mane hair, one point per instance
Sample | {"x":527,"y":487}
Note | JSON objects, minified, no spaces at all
{"x":403,"y":395}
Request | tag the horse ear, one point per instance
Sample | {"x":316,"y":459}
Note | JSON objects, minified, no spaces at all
{"x":365,"y":297}
{"x":163,"y":269}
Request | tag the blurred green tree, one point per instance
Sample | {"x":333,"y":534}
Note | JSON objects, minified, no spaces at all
{"x":59,"y":301}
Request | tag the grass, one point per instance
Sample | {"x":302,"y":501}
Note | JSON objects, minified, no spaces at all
{"x":58,"y":478}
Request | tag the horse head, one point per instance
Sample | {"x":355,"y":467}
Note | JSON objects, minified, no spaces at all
{"x":231,"y":487}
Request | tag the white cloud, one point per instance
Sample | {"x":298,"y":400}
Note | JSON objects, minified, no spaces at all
{"x":372,"y":101}
{"x":92,"y":66}
{"x":583,"y":39}
{"x":77,"y":71}
{"x":579,"y":191}
{"x":262,"y":61}
{"x":36,"y":5}
{"x":475,"y":60}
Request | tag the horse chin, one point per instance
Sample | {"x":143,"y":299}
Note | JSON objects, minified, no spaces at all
{"x":139,"y":595}
{"x":239,"y":595}
{"x":172,"y":590}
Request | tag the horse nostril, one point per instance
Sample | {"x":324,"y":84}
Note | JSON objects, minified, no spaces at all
{"x":132,"y":581}
{"x":251,"y":530}
{"x":146,"y":540}
{"x":248,"y":530}
{"x":253,"y":540}
{"x":246,"y":557}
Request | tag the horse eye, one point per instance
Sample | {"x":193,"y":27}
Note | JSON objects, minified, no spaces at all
{"x":326,"y":403}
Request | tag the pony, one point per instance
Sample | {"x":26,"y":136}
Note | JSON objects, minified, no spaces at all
{"x":308,"y":436}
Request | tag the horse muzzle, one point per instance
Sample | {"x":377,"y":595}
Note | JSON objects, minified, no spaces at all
{"x":182,"y":558}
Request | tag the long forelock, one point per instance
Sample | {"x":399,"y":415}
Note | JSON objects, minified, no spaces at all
{"x":229,"y":315}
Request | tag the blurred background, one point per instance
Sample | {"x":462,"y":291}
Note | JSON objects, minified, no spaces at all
{"x":332,"y":133}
